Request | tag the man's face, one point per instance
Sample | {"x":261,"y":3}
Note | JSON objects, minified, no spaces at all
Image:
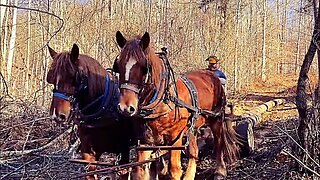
{"x":213,"y":66}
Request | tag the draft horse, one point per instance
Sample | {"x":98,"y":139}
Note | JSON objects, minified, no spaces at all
{"x":84,"y":87}
{"x":172,"y":108}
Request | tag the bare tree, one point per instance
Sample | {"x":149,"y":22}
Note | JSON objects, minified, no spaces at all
{"x":298,"y":38}
{"x":2,"y":15}
{"x":235,"y":63}
{"x":28,"y":50}
{"x":309,"y":122}
{"x":12,"y":41}
{"x":264,"y":58}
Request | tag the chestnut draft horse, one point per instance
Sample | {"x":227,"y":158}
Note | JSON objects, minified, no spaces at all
{"x":172,"y":108}
{"x":82,"y":85}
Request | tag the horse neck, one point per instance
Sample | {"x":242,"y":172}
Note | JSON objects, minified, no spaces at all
{"x":157,"y":68}
{"x":96,"y":85}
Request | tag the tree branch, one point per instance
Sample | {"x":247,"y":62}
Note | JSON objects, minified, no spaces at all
{"x":40,"y":11}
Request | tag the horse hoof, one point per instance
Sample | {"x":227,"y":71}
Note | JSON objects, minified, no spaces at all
{"x":219,"y":176}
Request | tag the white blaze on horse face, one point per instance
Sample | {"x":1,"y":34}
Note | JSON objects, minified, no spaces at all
{"x":129,"y":65}
{"x":57,"y":81}
{"x":53,"y":116}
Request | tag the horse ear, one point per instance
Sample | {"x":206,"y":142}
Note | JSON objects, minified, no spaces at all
{"x":52,"y":52}
{"x":74,"y":53}
{"x":120,"y":39}
{"x":145,"y":40}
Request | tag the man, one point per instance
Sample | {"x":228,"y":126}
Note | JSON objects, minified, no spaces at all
{"x":214,"y":65}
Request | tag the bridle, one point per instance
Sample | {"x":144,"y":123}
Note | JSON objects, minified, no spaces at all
{"x":62,"y":95}
{"x":135,"y":87}
{"x":81,"y":85}
{"x":158,"y":95}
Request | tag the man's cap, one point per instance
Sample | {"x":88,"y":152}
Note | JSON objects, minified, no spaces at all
{"x":212,"y":59}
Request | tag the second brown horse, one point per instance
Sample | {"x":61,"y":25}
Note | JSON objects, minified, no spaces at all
{"x":148,"y":90}
{"x":81,"y":83}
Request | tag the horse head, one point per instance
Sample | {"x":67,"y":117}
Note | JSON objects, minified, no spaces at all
{"x":62,"y":76}
{"x":71,"y":73}
{"x":133,"y":66}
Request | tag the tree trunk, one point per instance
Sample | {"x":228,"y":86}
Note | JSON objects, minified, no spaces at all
{"x":264,"y":59}
{"x":46,"y":59}
{"x":2,"y":27}
{"x":2,"y":12}
{"x":308,"y":130}
{"x":235,"y":64}
{"x":28,"y":51}
{"x":298,"y":39}
{"x":12,"y":41}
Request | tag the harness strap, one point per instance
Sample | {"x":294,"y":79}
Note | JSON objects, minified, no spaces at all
{"x":130,"y":87}
{"x":194,"y":102}
{"x":105,"y":107}
{"x":61,"y":95}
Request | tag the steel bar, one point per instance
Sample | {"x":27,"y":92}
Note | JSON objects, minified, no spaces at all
{"x":81,"y":161}
{"x":154,"y":148}
{"x":115,"y":168}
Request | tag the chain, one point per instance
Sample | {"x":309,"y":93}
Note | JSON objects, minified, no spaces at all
{"x":118,"y":158}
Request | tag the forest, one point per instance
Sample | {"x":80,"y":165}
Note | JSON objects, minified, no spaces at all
{"x":268,"y":49}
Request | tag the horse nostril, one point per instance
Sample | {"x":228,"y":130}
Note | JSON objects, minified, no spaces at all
{"x":62,"y":116}
{"x":131,"y":109}
{"x":119,"y":108}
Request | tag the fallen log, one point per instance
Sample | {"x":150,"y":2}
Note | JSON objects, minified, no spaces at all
{"x":243,"y":125}
{"x":246,"y":122}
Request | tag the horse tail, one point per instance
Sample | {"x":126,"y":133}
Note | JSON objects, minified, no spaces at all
{"x":229,"y":139}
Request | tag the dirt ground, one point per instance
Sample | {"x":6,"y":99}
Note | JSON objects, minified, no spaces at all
{"x":24,"y":127}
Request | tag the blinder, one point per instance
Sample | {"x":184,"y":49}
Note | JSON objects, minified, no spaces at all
{"x":115,"y":67}
{"x":81,"y":89}
{"x":81,"y":85}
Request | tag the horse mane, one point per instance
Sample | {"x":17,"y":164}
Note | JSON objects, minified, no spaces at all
{"x":86,"y":66}
{"x":133,"y":49}
{"x":61,"y":65}
{"x":156,"y":65}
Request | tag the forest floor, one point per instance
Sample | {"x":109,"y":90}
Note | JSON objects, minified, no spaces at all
{"x":24,"y":127}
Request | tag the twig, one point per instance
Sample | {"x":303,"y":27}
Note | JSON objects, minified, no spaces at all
{"x":6,"y":175}
{"x":24,"y":152}
{"x":74,"y":146}
{"x":32,"y":121}
{"x":297,"y":144}
{"x":29,"y":132}
{"x":301,"y":163}
{"x":5,"y":87}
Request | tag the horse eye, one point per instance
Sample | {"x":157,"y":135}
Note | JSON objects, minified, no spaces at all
{"x":145,"y":70}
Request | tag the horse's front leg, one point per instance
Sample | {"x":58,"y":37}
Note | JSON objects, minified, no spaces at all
{"x":221,"y":171}
{"x":193,"y":151}
{"x":125,"y":157}
{"x":142,"y":172}
{"x":175,"y":161}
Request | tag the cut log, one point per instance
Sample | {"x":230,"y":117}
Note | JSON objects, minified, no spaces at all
{"x":245,"y":123}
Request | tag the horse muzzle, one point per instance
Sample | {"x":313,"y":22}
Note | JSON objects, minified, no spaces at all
{"x":127,"y":110}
